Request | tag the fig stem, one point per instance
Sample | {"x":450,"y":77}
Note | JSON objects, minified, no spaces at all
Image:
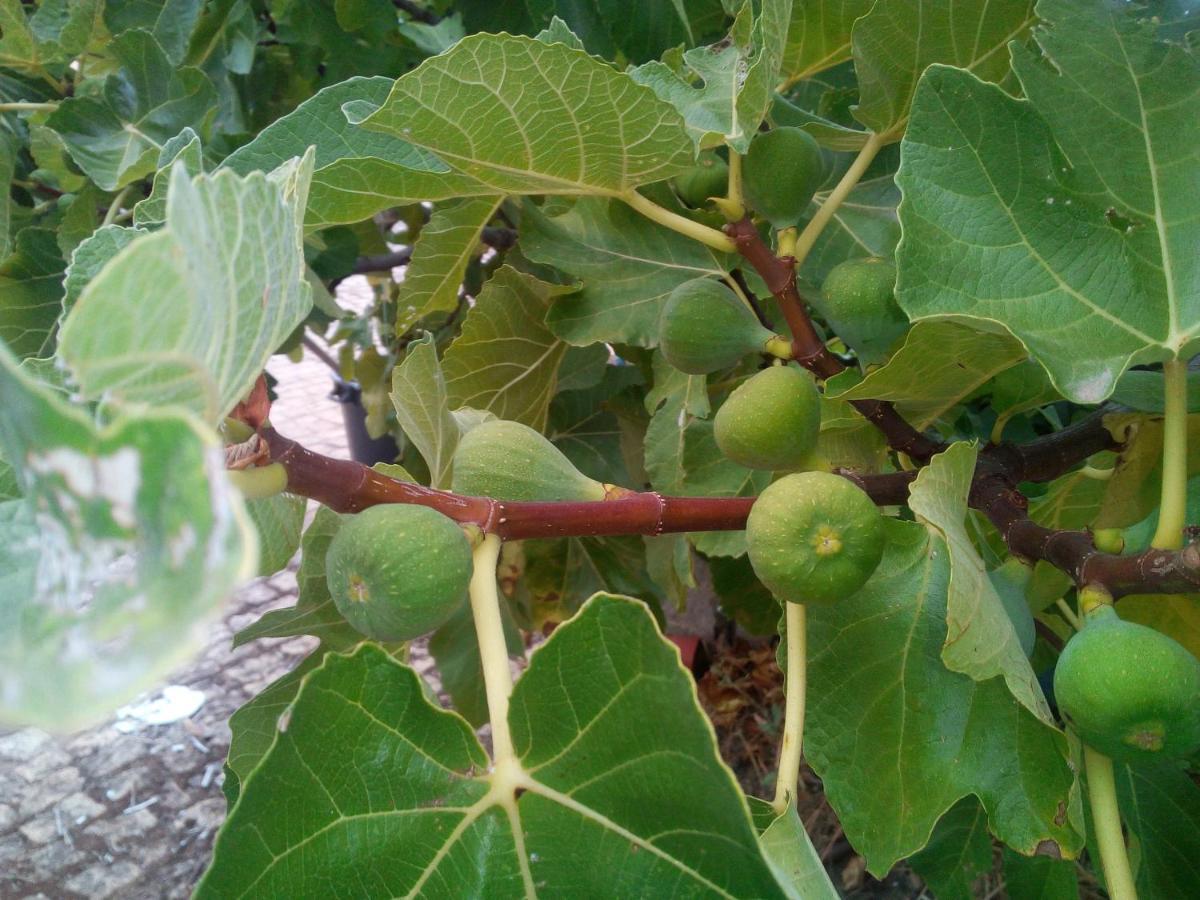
{"x":493,"y":652}
{"x":808,"y":237}
{"x":735,"y":200}
{"x":1172,"y":511}
{"x":710,"y":237}
{"x":1069,"y":614}
{"x":787,"y":778}
{"x":1106,"y":819}
{"x":28,"y":107}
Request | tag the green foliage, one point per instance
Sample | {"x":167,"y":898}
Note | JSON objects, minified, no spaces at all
{"x":397,"y":572}
{"x":511,"y":461}
{"x":995,"y":218}
{"x":814,"y":538}
{"x":771,"y":420}
{"x":1128,"y":690}
{"x":705,"y":328}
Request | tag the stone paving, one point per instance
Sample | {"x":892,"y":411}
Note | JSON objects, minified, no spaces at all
{"x":133,"y":815}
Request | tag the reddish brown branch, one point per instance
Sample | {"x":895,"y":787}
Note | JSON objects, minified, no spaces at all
{"x":779,"y":274}
{"x":347,"y":486}
{"x":1154,"y":571}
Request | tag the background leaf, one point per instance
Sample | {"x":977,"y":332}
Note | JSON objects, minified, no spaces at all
{"x":440,"y":256}
{"x":628,"y":266}
{"x":898,"y":39}
{"x":505,"y":360}
{"x":116,"y":137}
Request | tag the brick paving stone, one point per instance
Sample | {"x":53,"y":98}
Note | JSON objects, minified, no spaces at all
{"x":101,"y":881}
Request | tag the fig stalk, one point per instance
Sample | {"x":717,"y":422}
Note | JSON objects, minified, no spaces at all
{"x":1106,"y":819}
{"x":710,"y":237}
{"x":1172,"y":513}
{"x":808,"y":237}
{"x":493,"y":653}
{"x":787,"y":778}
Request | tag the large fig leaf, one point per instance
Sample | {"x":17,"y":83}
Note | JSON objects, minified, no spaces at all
{"x":980,"y":639}
{"x":1068,"y":218}
{"x":127,"y":539}
{"x":534,"y":118}
{"x":369,"y":789}
{"x":882,"y":701}
{"x":227,"y":273}
{"x":357,"y":172}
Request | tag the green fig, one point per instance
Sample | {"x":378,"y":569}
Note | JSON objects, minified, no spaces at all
{"x":510,"y":461}
{"x":771,"y":421}
{"x":704,"y":328}
{"x":780,"y":173}
{"x":396,"y":571}
{"x":708,"y":178}
{"x":858,"y":300}
{"x":814,"y":537}
{"x":1129,"y":691}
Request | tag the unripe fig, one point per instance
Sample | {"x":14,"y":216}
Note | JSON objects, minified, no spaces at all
{"x":771,"y":421}
{"x":397,"y":571}
{"x":704,"y":327}
{"x":511,"y":461}
{"x":780,"y":173}
{"x":258,"y":482}
{"x":708,"y":178}
{"x":858,"y":300}
{"x":814,"y":537}
{"x":1129,"y":691}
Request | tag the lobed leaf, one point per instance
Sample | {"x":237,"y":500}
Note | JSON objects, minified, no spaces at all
{"x":229,"y":262}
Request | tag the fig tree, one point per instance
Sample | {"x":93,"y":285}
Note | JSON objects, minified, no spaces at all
{"x":510,"y":461}
{"x":771,"y":421}
{"x":704,"y":327}
{"x":1129,"y":691}
{"x":397,"y":571}
{"x":780,"y":173}
{"x":814,"y":537}
{"x":858,"y":300}
{"x":708,"y":178}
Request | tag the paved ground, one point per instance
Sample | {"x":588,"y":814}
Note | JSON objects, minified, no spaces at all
{"x":132,"y":815}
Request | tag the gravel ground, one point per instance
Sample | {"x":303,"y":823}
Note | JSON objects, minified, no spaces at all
{"x":111,"y":813}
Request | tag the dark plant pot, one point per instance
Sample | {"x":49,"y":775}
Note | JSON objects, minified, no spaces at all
{"x":363,"y":448}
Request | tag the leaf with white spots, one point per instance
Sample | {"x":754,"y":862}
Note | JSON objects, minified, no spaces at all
{"x":127,"y":539}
